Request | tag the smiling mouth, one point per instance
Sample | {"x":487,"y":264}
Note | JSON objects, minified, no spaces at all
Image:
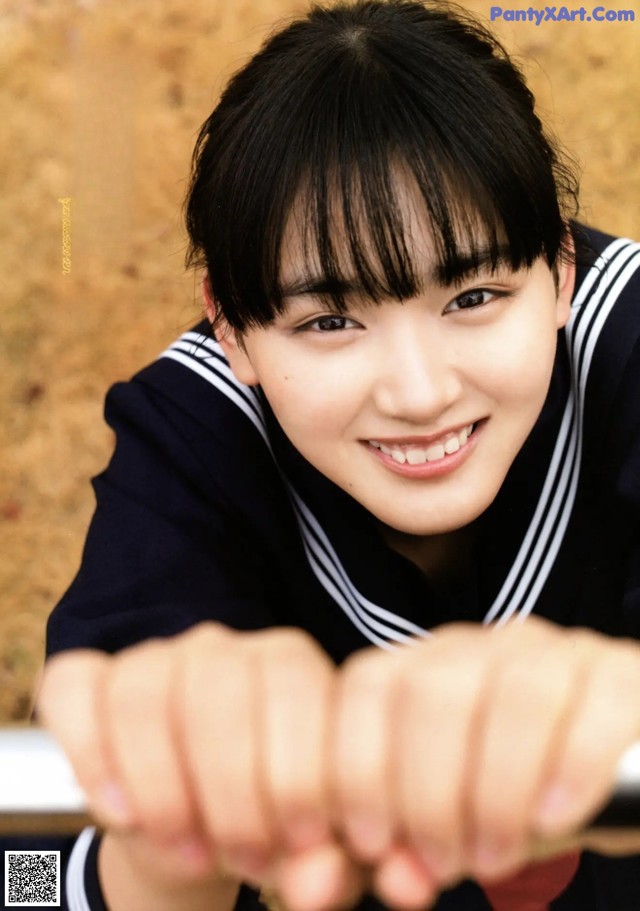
{"x":413,"y":454}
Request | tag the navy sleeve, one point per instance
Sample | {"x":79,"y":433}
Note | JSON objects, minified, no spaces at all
{"x":166,"y":547}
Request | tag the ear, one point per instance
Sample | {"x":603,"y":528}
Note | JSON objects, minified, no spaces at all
{"x":229,"y":339}
{"x":566,"y":285}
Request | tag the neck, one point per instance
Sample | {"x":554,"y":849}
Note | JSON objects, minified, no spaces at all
{"x":444,"y":558}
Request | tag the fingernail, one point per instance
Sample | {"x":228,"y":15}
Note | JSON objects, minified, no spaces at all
{"x":115,"y":804}
{"x":551,"y":814}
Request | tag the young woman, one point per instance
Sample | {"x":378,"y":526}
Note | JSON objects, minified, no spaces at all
{"x":292,"y":656}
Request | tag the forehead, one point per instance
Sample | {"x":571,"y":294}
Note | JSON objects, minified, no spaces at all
{"x":382,"y":241}
{"x":350,"y":221}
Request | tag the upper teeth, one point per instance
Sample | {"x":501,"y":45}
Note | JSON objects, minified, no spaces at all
{"x":416,"y":455}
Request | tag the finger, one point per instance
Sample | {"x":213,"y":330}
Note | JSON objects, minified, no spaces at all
{"x":218,"y":718}
{"x":614,"y":842}
{"x":604,"y":724}
{"x":321,"y":878}
{"x":138,"y":701}
{"x":69,"y":705}
{"x":295,"y":681}
{"x":535,"y":681}
{"x":402,"y":881}
{"x":360,"y":747}
{"x":436,"y":702}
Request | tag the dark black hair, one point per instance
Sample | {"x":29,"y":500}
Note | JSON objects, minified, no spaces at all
{"x":325,"y":115}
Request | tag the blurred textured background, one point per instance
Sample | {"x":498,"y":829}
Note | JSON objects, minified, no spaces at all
{"x":100,"y":102}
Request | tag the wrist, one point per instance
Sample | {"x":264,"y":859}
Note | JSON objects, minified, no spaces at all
{"x":135,"y":873}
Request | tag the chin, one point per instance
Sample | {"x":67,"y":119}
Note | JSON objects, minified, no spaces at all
{"x":412,"y":523}
{"x":423,"y":528}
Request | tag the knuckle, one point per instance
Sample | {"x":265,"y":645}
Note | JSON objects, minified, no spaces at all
{"x":430,"y":685}
{"x":64,"y":673}
{"x":457,"y":629}
{"x":69,"y":685}
{"x":290,"y":641}
{"x":452,"y":639}
{"x":363,"y":667}
{"x":521,"y":693}
{"x":52,"y":680}
{"x":582,"y":641}
{"x":137,"y":682}
{"x":128,"y":697}
{"x":623,"y":666}
{"x":289,"y":653}
{"x":532,"y":622}
{"x":206,"y":636}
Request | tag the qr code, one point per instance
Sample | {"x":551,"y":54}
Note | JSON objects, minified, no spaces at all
{"x":32,"y":879}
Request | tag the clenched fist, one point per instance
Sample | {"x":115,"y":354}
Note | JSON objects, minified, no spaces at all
{"x":218,"y":756}
{"x":206,"y":754}
{"x":468,"y":749}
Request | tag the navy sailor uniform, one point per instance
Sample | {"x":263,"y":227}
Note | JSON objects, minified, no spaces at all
{"x":207,"y":512}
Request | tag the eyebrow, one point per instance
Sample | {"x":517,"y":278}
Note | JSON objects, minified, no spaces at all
{"x":467,"y":265}
{"x":464,"y":266}
{"x":319,"y":286}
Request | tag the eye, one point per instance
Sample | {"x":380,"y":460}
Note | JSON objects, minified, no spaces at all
{"x":331,"y":323}
{"x":471,"y":300}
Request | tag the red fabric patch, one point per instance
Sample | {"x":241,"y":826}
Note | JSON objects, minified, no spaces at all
{"x":535,"y":886}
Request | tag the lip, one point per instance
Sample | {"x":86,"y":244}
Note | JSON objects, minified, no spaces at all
{"x":422,"y":440}
{"x":439,"y":467}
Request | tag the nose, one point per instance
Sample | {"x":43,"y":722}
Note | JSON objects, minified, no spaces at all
{"x":419,"y":378}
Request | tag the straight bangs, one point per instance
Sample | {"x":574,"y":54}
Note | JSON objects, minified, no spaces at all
{"x":334,"y":155}
{"x":353,"y":221}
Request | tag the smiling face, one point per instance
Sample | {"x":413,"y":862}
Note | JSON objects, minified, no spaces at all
{"x":416,"y":409}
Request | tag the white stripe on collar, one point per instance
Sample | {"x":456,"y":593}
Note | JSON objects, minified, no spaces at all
{"x":543,"y":539}
{"x":74,"y":883}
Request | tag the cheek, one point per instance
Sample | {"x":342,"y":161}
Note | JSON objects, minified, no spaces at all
{"x":312,"y":407}
{"x":517,"y":365}
{"x":314,"y":393}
